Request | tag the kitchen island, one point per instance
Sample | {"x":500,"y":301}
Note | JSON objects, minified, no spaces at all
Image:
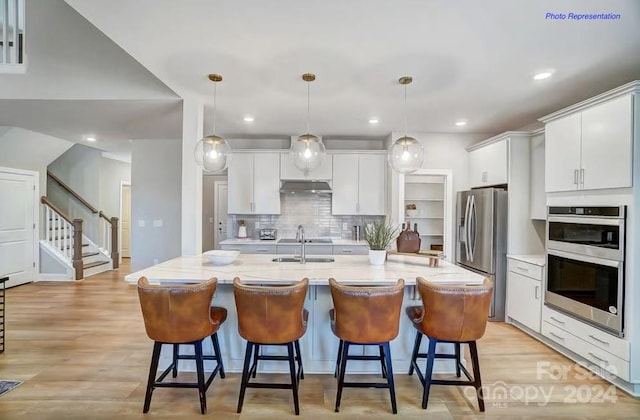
{"x":319,"y":346}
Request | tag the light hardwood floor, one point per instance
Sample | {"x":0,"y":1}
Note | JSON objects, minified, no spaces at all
{"x":82,"y":352}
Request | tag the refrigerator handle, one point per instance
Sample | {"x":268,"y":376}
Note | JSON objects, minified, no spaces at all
{"x":466,"y":228}
{"x":472,"y":228}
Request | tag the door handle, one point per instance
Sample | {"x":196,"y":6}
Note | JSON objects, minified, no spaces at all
{"x":472,"y":227}
{"x":466,"y":227}
{"x":575,"y":176}
{"x":582,"y":177}
{"x":537,"y":292}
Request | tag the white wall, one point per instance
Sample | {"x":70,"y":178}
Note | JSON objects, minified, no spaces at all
{"x":156,"y":186}
{"x":24,"y":149}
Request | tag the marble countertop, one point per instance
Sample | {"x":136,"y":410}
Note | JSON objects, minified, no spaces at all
{"x":250,"y":241}
{"x":348,"y":269}
{"x":536,"y":259}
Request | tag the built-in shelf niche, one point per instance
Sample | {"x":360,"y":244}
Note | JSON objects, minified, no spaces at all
{"x":427,"y":194}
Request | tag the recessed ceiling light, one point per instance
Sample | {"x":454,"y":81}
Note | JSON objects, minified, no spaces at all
{"x":248,"y":119}
{"x":91,"y":139}
{"x":543,"y":75}
{"x":461,"y":123}
{"x":374,"y":121}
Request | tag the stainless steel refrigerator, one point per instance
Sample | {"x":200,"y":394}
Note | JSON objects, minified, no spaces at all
{"x":481,"y":240}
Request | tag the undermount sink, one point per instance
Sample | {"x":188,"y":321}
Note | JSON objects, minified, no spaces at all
{"x":308,"y":241}
{"x":307,"y":259}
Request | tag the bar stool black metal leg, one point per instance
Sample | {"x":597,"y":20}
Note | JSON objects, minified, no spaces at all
{"x":200,"y":372}
{"x":457,"y":350}
{"x":245,"y":375}
{"x":382,"y":364}
{"x":256,"y":353}
{"x":343,"y":367}
{"x":299,"y":359}
{"x":153,"y":369}
{"x":389,"y":372}
{"x":416,"y":350}
{"x":294,"y":379}
{"x":477,"y":382}
{"x":216,"y":349}
{"x":176,"y":350}
{"x":335,"y":373}
{"x":429,"y":371}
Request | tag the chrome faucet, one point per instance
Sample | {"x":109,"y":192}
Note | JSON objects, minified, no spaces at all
{"x":300,"y":238}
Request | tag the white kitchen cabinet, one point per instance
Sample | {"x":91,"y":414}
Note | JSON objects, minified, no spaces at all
{"x":590,"y":149}
{"x":538,"y":204}
{"x":309,"y":250}
{"x":488,"y":165}
{"x":267,"y":248}
{"x":358,"y":184}
{"x":288,"y":170}
{"x":607,"y":133}
{"x":254,"y":183}
{"x":524,"y":293}
{"x":350,"y":250}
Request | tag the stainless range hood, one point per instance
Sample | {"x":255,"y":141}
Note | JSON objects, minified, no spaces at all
{"x":317,"y":187}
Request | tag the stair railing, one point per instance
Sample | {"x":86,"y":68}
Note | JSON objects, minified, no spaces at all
{"x":64,"y":236}
{"x":108,"y":226}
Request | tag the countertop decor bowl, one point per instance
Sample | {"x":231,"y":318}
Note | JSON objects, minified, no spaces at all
{"x":220,"y":257}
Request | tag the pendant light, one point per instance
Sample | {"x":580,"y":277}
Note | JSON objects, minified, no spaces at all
{"x":406,"y":153}
{"x":307,"y":151}
{"x":213,"y":153}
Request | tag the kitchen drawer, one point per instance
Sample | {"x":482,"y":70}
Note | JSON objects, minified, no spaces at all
{"x":350,"y":250}
{"x":605,"y":341}
{"x":309,"y":249}
{"x":251,"y":249}
{"x":601,"y":359}
{"x":526,"y":269}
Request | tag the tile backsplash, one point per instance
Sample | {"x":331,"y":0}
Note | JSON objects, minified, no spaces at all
{"x":313,"y":211}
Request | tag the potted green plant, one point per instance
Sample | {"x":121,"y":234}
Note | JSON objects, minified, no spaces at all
{"x":379,"y":235}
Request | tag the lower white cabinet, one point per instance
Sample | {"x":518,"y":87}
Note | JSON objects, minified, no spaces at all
{"x":524,"y":293}
{"x":309,"y":250}
{"x":251,"y":248}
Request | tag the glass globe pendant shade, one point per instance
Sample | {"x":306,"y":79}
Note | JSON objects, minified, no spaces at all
{"x":213,"y":154}
{"x":405,"y":155}
{"x":307,"y":152}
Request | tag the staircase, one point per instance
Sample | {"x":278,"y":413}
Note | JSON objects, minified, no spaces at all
{"x":65,"y":242}
{"x":12,"y":32}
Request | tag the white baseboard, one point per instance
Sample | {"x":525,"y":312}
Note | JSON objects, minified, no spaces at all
{"x":54,"y":277}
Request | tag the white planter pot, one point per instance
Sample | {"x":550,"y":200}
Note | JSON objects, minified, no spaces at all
{"x":377,"y":257}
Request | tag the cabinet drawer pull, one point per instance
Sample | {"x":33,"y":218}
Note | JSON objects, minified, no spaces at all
{"x":582,"y":176}
{"x":347,"y":251}
{"x":598,"y":340}
{"x":526,"y":270}
{"x":556,"y":336}
{"x":262,"y":250}
{"x":557,"y":320}
{"x":600,"y":359}
{"x":575,"y":176}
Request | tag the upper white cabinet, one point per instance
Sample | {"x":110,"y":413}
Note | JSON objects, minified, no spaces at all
{"x":254,"y":183}
{"x":538,"y":204}
{"x":488,"y":165}
{"x":288,"y":170}
{"x":359,"y":184}
{"x":591,"y":147}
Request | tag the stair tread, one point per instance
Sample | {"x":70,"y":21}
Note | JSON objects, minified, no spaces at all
{"x":94,"y":264}
{"x":71,"y":246}
{"x":89,"y":254}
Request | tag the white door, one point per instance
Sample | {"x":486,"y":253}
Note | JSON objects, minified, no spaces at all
{"x":18,"y":244}
{"x":220,"y":213}
{"x":125,"y":222}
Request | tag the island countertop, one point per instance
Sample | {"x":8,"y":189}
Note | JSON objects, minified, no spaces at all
{"x":348,"y":269}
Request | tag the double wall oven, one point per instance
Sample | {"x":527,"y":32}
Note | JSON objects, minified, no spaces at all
{"x":585,"y":264}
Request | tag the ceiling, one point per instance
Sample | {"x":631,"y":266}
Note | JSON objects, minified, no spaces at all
{"x":469,"y":60}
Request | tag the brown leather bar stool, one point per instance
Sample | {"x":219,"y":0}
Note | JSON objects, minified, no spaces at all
{"x":450,"y":314}
{"x":367,"y":316}
{"x":181,"y":315}
{"x":272,"y":316}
